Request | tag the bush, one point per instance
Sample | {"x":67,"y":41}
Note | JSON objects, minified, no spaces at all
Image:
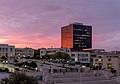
{"x":1,"y":70}
{"x":33,"y":64}
{"x":20,"y":78}
{"x":3,"y":57}
{"x":6,"y":70}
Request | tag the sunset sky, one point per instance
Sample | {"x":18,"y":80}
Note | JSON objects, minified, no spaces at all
{"x":37,"y":23}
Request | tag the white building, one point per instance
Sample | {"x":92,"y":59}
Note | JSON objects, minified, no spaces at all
{"x":82,"y":57}
{"x":24,"y":52}
{"x":94,"y":50}
{"x":49,"y":51}
{"x":7,"y":50}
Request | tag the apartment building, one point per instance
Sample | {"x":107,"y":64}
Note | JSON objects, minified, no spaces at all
{"x":107,"y":60}
{"x":24,"y":52}
{"x":50,"y":51}
{"x":7,"y":50}
{"x":82,"y":57}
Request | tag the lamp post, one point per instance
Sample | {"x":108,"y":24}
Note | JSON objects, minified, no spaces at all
{"x":4,"y":62}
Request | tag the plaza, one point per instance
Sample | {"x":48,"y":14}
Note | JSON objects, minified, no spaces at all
{"x":81,"y":78}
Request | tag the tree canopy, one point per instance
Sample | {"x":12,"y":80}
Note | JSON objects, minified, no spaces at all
{"x":20,"y":78}
{"x":37,"y":52}
{"x":61,"y":55}
{"x":3,"y":57}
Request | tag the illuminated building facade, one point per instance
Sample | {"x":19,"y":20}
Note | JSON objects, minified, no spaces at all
{"x":76,"y":36}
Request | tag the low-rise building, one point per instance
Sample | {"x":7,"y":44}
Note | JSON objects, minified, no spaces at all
{"x":106,"y":60}
{"x":7,"y":50}
{"x":50,"y":51}
{"x":82,"y":57}
{"x":24,"y":52}
{"x":94,"y":50}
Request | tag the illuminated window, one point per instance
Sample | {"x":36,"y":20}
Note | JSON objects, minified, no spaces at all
{"x":87,"y":32}
{"x":100,"y":60}
{"x":109,"y":65}
{"x":82,"y":38}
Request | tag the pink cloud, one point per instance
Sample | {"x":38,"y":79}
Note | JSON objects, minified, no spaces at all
{"x":31,"y":41}
{"x":97,"y":39}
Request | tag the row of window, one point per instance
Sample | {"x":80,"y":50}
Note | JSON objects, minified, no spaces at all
{"x":6,"y":54}
{"x":79,"y":29}
{"x":79,"y":43}
{"x":82,"y":46}
{"x":82,"y":55}
{"x":6,"y":49}
{"x":108,"y":56}
{"x":102,"y":60}
{"x":23,"y":51}
{"x":85,"y":59}
{"x":53,"y":51}
{"x":23,"y":54}
{"x":109,"y":65}
{"x":85,"y":35}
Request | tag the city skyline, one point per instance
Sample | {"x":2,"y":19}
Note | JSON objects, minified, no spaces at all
{"x":37,"y":23}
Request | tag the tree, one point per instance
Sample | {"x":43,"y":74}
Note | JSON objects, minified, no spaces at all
{"x":33,"y":64}
{"x":3,"y":57}
{"x":37,"y":52}
{"x":20,"y":78}
{"x":47,"y":57}
{"x":61,"y":55}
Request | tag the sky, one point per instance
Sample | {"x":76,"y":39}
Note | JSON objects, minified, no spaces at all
{"x":37,"y":23}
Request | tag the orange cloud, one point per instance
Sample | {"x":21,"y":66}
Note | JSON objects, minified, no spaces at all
{"x":3,"y":40}
{"x":31,"y":41}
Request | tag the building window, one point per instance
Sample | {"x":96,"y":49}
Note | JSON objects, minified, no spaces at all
{"x":3,"y":49}
{"x":41,"y":51}
{"x":86,"y":55}
{"x":109,"y":66}
{"x":109,"y":59}
{"x":72,"y":54}
{"x":100,"y":60}
{"x":11,"y":49}
{"x":96,"y":59}
{"x":85,"y":59}
{"x":6,"y":49}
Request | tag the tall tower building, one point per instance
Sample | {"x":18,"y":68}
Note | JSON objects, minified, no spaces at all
{"x":76,"y":36}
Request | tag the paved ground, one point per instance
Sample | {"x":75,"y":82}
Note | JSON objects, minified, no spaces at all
{"x":81,"y":78}
{"x":3,"y":75}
